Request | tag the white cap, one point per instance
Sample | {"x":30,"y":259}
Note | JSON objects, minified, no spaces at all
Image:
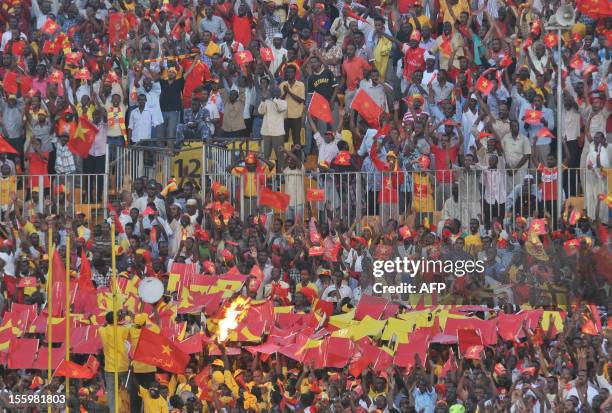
{"x":429,"y":55}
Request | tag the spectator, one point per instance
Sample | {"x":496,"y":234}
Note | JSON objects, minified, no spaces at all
{"x":294,"y":93}
{"x":141,"y":122}
{"x":274,"y":111}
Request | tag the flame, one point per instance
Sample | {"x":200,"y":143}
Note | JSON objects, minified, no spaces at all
{"x":236,"y":311}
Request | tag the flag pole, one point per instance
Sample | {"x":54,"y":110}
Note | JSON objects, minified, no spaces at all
{"x":49,"y":305}
{"x":114,"y":291}
{"x":67,"y":318}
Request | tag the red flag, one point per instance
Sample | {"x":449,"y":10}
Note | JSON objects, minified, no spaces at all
{"x":591,"y":321}
{"x":551,"y":40}
{"x":484,"y":85}
{"x":590,"y":68}
{"x":323,"y":306}
{"x":118,"y":27}
{"x":50,"y":27}
{"x":27,"y":282}
{"x":191,"y":345}
{"x":84,"y":282}
{"x":595,"y":8}
{"x":505,"y":61}
{"x":367,"y":108}
{"x":533,"y":116}
{"x":315,"y":194}
{"x":82,"y":74}
{"x":576,"y":62}
{"x":539,"y":226}
{"x":319,"y":108}
{"x":473,"y":352}
{"x":202,"y":381}
{"x":574,"y":217}
{"x":84,"y":136}
{"x":372,"y":306}
{"x":266,"y":54}
{"x":445,"y":45}
{"x":21,"y":353}
{"x":92,"y":364}
{"x":58,"y":268}
{"x":16,"y":47}
{"x":56,"y":76}
{"x":10,"y":83}
{"x":243,"y":57}
{"x":545,"y":133}
{"x":451,"y":364}
{"x":73,"y":370}
{"x":468,"y":337}
{"x":50,"y":47}
{"x":273,"y":199}
{"x":343,"y":158}
{"x":159,"y":351}
{"x":350,"y":13}
{"x":484,"y":134}
{"x":63,"y":42}
{"x":6,"y":147}
{"x":73,"y":58}
{"x":417,"y":344}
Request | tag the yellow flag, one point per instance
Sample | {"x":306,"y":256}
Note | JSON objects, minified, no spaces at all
{"x":557,"y":320}
{"x":367,"y":327}
{"x":343,"y":320}
{"x":212,"y":48}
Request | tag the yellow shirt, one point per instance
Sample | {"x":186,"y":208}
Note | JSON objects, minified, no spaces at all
{"x":251,"y":187}
{"x":423,"y":21}
{"x":422,"y":199}
{"x":312,"y":286}
{"x":473,"y":244}
{"x":461,"y":6}
{"x":151,"y":405}
{"x":89,"y":110}
{"x":294,"y":109}
{"x":115,"y":359}
{"x":8,"y":185}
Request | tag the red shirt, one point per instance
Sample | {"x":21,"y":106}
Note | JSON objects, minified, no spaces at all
{"x":353,"y":71}
{"x":414,"y":59}
{"x":443,"y":173}
{"x":242,"y":29}
{"x":548,"y":186}
{"x":38,"y":166}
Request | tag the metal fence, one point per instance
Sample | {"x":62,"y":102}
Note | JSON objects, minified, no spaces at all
{"x":160,"y":163}
{"x":56,"y":194}
{"x":419,"y":197}
{"x":126,"y":164}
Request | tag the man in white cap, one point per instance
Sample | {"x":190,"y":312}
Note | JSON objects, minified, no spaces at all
{"x":278,"y":52}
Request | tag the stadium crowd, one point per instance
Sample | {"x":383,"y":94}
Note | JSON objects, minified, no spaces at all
{"x":449,"y":110}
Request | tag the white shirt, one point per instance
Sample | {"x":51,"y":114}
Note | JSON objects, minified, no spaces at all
{"x":213,"y":113}
{"x":327,"y":151}
{"x":494,"y":182}
{"x":141,"y":204}
{"x":358,"y":260}
{"x":277,"y":60}
{"x":591,"y":393}
{"x":98,"y":148}
{"x":148,"y":224}
{"x":344,"y":291}
{"x":153,"y":102}
{"x":6,"y":36}
{"x":141,"y":124}
{"x":228,"y":50}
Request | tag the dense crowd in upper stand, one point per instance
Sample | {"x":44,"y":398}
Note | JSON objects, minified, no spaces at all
{"x":450,"y":107}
